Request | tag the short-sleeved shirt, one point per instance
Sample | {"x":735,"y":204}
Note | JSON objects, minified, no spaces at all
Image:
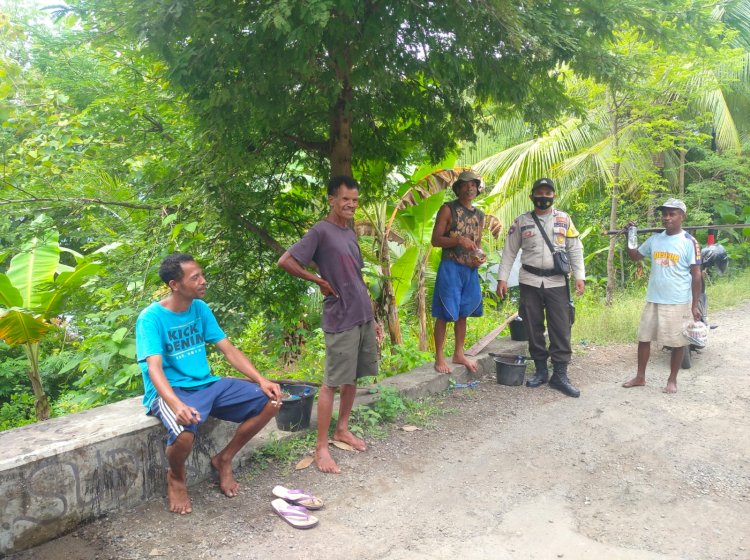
{"x":524,"y":234}
{"x":671,"y":258}
{"x":464,"y":223}
{"x":180,"y":339}
{"x":336,"y":253}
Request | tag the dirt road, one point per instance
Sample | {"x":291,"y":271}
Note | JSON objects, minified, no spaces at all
{"x":512,"y":473}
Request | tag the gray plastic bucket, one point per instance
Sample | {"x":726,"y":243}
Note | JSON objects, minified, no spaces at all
{"x":296,"y":409}
{"x":518,"y":329}
{"x":510,"y":372}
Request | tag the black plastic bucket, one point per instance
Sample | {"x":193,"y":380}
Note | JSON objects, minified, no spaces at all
{"x":295,"y":409}
{"x":510,"y":372}
{"x":518,"y":329}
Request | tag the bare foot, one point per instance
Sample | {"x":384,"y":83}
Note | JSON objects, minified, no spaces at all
{"x":471,"y":365}
{"x":227,"y":483}
{"x":325,"y":462}
{"x":441,"y":366}
{"x":670,"y":388}
{"x":351,"y":439}
{"x":177,"y":495}
{"x":635,"y":382}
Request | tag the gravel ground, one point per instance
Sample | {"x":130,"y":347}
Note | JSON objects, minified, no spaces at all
{"x":506,"y":473}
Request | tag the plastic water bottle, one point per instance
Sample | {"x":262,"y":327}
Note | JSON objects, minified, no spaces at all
{"x":632,"y":237}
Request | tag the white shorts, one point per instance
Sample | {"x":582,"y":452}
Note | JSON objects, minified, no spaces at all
{"x":665,"y":322}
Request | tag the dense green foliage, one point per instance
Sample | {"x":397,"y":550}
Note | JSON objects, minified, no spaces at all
{"x":139,"y":128}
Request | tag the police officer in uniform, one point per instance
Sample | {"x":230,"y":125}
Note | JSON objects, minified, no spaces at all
{"x":544,"y":292}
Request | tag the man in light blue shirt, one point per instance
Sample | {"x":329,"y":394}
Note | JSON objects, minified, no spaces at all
{"x":674,"y":288}
{"x":179,"y":388}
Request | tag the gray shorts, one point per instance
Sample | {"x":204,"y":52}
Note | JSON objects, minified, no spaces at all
{"x":350,"y":355}
{"x":665,"y":323}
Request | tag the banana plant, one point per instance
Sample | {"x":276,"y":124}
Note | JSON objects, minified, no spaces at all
{"x":32,"y":292}
{"x":416,"y":222}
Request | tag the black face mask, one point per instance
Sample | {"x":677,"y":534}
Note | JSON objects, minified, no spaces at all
{"x":542,"y":202}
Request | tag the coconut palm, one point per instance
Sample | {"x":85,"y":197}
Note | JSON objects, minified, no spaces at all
{"x":632,"y":131}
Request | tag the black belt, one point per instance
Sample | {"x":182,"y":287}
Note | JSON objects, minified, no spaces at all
{"x":540,"y":271}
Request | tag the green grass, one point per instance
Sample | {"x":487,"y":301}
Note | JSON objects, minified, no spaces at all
{"x":727,"y":291}
{"x":392,"y":407}
{"x":422,"y":412}
{"x":597,"y":323}
{"x":287,"y":448}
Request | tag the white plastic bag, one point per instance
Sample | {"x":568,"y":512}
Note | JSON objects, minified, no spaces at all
{"x":696,"y":333}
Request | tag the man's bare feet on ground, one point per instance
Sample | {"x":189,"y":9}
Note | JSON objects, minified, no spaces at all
{"x":471,"y":365}
{"x":635,"y":382}
{"x":177,"y":495}
{"x":324,"y":461}
{"x":227,"y":483}
{"x":670,"y":388}
{"x":351,"y":439}
{"x":441,"y":366}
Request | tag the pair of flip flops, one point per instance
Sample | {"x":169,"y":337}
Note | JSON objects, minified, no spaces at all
{"x":293,"y":505}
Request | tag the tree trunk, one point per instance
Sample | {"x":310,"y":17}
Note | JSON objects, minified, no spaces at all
{"x":293,"y":344}
{"x":651,"y":210}
{"x":681,"y":173}
{"x":42,"y":403}
{"x":341,"y":132}
{"x":390,"y":307}
{"x":655,"y":194}
{"x":613,"y":238}
{"x":611,"y":278}
{"x":389,"y":296}
{"x":422,"y":301}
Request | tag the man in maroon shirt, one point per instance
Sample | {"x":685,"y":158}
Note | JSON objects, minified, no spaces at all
{"x":351,"y":332}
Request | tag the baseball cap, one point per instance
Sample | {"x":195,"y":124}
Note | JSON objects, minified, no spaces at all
{"x":673,"y":203}
{"x":543,"y":182}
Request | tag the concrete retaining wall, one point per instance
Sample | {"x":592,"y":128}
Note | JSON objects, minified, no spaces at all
{"x":56,"y":474}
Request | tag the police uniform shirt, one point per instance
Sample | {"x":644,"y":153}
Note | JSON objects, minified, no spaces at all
{"x":524,"y":234}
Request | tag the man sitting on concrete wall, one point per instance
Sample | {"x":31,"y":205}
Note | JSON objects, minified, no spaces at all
{"x":171,"y":337}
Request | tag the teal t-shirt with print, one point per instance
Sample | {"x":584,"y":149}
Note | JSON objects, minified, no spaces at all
{"x":180,"y":339}
{"x":670,"y":281}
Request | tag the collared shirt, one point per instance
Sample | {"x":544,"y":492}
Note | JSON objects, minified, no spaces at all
{"x":524,"y":234}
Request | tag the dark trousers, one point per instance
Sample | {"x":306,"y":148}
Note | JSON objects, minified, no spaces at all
{"x":552,"y":302}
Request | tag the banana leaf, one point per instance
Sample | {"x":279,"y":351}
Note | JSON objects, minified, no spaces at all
{"x":20,"y":327}
{"x":9,"y":294}
{"x":35,"y":267}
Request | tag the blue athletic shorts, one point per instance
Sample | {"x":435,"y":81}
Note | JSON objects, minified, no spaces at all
{"x":457,"y":292}
{"x":229,"y":398}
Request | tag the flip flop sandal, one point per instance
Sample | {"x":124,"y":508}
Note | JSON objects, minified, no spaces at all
{"x":297,"y":497}
{"x":296,"y":516}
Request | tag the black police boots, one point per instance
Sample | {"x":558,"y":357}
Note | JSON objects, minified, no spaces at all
{"x":540,"y":377}
{"x":560,"y":381}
